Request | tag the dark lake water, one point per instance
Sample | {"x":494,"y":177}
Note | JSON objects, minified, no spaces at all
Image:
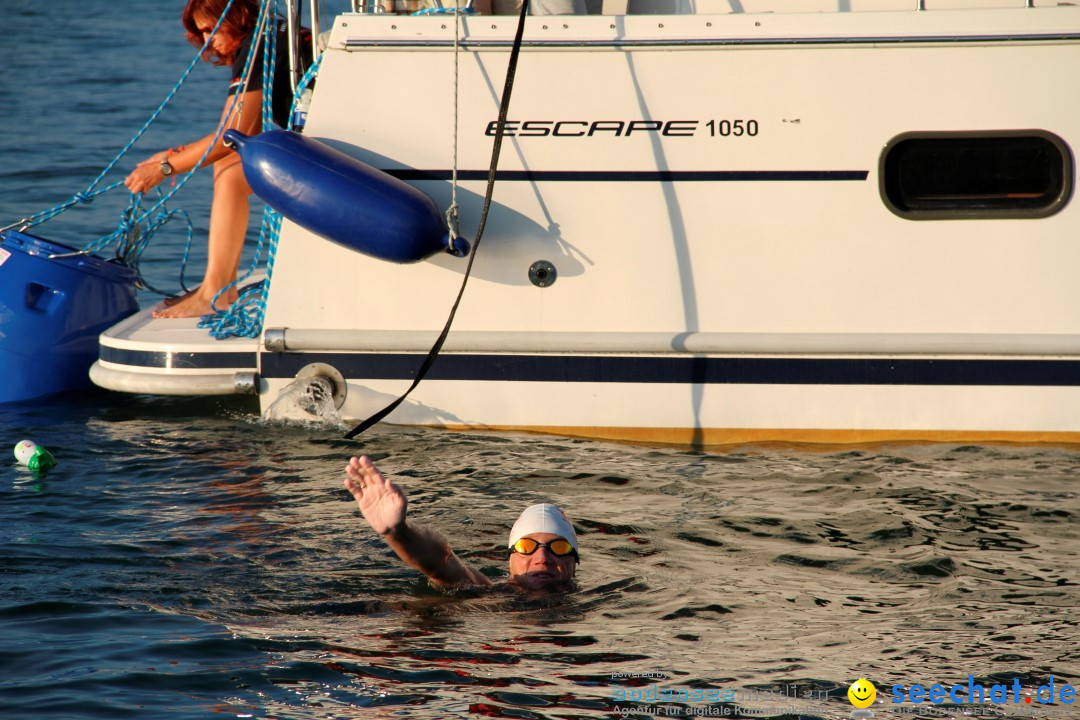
{"x":186,"y":560}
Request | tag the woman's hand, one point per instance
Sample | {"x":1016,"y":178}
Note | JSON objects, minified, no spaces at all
{"x":382,"y":503}
{"x":147,"y":174}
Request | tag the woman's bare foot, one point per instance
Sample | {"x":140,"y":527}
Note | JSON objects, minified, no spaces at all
{"x":170,"y":301}
{"x":195,"y":304}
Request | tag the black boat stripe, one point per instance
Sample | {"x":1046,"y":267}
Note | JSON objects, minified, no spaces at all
{"x":697,"y":370}
{"x":638,"y":369}
{"x":232,"y":361}
{"x":623,"y":369}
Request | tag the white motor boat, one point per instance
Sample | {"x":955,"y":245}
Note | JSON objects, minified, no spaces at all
{"x":737,"y":221}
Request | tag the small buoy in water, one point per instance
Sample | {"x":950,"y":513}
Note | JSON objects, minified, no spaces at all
{"x":34,"y":456}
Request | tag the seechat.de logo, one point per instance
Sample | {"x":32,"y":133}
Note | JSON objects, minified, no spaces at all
{"x":975,"y":693}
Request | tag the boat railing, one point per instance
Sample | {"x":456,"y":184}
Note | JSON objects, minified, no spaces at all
{"x":406,"y":7}
{"x":627,"y":7}
{"x":691,"y":7}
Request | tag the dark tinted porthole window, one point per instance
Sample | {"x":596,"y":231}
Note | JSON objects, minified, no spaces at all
{"x":1025,"y":174}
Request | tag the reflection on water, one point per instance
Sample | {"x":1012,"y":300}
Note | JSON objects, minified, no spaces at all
{"x":241,"y":572}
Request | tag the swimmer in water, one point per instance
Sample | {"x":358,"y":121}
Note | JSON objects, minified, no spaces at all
{"x":543,"y":546}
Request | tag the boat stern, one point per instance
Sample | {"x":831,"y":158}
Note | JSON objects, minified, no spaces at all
{"x":144,"y":354}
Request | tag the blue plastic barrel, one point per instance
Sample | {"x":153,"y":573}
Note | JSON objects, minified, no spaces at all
{"x":51,"y":313}
{"x":342,"y":199}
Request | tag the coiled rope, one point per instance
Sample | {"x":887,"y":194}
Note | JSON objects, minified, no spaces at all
{"x":137,"y":226}
{"x":129,"y":250}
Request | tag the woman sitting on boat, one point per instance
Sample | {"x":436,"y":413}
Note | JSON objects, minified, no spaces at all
{"x":229,"y":209}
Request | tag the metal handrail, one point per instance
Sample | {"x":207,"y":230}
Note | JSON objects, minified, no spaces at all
{"x":316,"y":30}
{"x":375,"y":6}
{"x":293,"y":10}
{"x":292,"y":27}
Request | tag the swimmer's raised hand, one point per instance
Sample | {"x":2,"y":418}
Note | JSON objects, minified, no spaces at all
{"x":424,"y":549}
{"x":381,"y":501}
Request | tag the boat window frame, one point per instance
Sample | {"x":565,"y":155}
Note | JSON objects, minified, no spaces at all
{"x":1056,"y":205}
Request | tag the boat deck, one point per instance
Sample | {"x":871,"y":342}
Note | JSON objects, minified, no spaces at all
{"x":143,"y":354}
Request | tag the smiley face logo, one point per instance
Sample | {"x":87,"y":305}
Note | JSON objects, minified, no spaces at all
{"x":862,"y":693}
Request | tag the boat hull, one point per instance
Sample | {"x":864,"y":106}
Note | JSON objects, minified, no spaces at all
{"x":714,"y":400}
{"x":694,"y":237}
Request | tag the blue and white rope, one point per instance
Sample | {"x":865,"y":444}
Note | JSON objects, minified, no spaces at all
{"x":87,"y":196}
{"x":245,"y":317}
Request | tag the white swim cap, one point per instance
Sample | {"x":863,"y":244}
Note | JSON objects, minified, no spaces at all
{"x":543,"y":518}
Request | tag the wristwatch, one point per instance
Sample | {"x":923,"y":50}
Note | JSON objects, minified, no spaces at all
{"x":166,"y":168}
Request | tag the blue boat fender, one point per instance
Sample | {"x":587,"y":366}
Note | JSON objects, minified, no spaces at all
{"x":341,"y":198}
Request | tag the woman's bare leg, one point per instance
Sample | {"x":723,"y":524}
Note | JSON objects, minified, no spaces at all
{"x":228,"y":226}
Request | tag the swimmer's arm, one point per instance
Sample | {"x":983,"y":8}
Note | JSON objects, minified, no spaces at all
{"x":384,"y":507}
{"x":429,"y":552}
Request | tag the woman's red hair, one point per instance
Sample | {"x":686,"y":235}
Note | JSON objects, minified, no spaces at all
{"x":240,"y":22}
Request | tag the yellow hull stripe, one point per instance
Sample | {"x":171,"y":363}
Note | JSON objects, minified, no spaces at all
{"x":720,"y":437}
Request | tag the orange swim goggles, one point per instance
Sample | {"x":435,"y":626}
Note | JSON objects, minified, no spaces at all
{"x":558,"y":547}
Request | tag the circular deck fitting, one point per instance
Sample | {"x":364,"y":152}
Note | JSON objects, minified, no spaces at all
{"x":542,"y":273}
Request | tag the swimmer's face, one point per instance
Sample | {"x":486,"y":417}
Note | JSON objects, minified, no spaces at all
{"x":543,"y":568}
{"x":862,"y":693}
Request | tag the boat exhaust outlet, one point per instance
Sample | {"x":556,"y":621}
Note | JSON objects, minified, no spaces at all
{"x":321,"y":383}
